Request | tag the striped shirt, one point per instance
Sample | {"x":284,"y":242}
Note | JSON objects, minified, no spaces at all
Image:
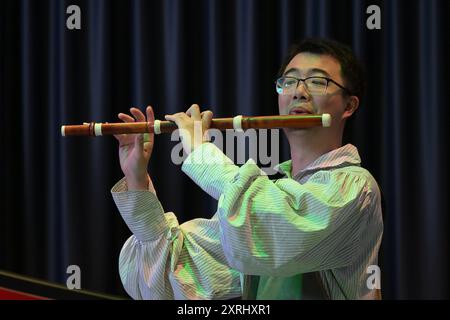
{"x":325,"y":219}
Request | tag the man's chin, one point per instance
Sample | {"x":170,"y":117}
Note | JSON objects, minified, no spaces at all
{"x":296,"y":131}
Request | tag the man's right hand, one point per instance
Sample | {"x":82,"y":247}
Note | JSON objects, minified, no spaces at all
{"x":134,"y":153}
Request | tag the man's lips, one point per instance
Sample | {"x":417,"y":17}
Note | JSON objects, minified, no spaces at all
{"x":299,"y":110}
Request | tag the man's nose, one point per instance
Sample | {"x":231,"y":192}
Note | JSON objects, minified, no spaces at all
{"x":301,"y":92}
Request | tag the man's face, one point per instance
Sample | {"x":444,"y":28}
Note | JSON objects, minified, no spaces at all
{"x":305,"y":65}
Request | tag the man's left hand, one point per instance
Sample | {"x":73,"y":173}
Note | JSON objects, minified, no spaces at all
{"x":193,"y":126}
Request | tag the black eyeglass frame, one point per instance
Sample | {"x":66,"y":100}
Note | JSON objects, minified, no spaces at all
{"x":326,"y":78}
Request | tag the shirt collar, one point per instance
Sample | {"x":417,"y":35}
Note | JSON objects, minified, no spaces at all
{"x":340,"y":157}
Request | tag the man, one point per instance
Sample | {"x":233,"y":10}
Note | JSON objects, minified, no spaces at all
{"x":267,"y":237}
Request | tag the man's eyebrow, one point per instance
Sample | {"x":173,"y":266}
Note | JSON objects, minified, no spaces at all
{"x":290,"y":70}
{"x":309,"y":71}
{"x":318,"y":70}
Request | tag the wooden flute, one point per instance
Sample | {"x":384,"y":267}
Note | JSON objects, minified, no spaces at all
{"x":239,"y":123}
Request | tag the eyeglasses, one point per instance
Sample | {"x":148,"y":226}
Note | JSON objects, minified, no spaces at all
{"x":314,"y":85}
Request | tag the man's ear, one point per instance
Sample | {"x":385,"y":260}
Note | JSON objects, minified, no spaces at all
{"x":350,"y":107}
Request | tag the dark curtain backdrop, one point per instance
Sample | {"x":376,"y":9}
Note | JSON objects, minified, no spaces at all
{"x":56,"y":209}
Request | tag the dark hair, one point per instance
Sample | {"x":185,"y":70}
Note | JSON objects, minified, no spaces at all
{"x":352,"y":71}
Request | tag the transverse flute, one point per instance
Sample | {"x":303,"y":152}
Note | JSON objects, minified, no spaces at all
{"x":239,"y":123}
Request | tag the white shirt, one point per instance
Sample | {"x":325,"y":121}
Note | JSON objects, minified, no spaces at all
{"x":327,"y":218}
